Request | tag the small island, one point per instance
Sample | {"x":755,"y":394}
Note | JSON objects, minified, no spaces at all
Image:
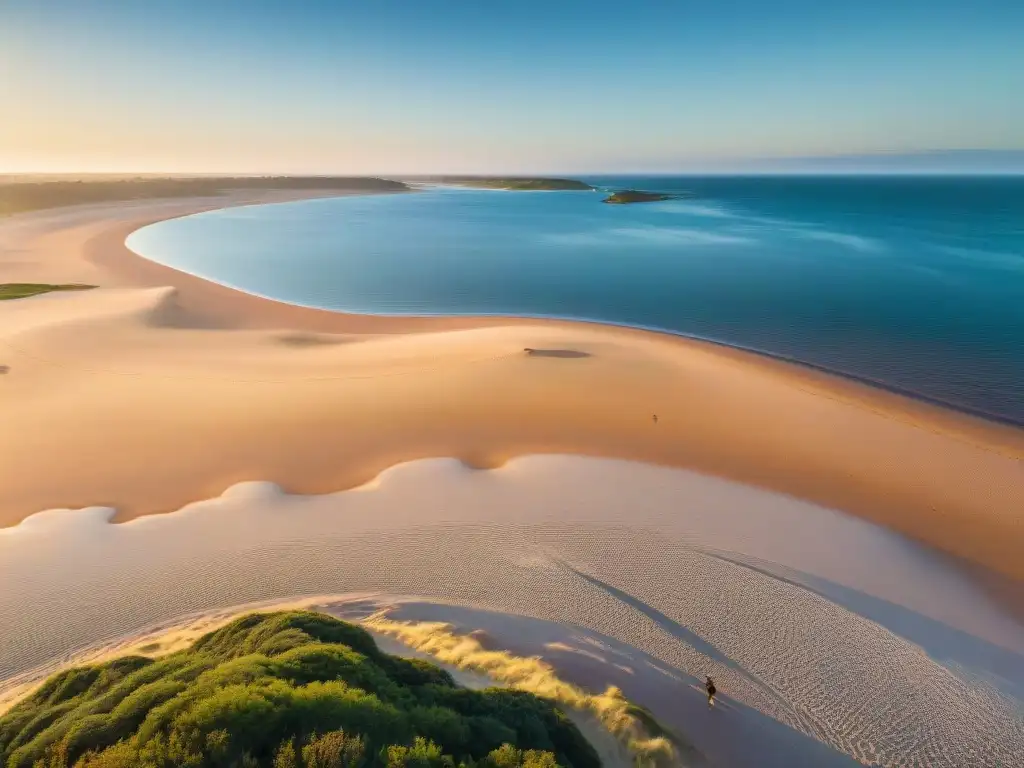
{"x":518,"y":183}
{"x":293,"y":689}
{"x":627,"y":196}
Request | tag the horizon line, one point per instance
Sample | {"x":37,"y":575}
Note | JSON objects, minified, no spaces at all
{"x":520,"y":174}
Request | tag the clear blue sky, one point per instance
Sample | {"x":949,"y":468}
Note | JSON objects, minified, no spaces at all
{"x":392,"y":86}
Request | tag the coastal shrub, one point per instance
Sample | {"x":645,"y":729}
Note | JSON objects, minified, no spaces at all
{"x":415,"y":672}
{"x":290,"y":690}
{"x":287,"y":755}
{"x":334,"y":750}
{"x":489,"y":733}
{"x":508,"y":756}
{"x":422,"y":754}
{"x":25,"y":290}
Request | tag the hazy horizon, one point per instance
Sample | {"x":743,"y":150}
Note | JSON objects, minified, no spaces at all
{"x":584,"y":88}
{"x":937,"y":163}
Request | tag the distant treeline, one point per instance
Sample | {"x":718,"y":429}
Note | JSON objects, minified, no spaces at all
{"x":283,"y":690}
{"x":18,"y":194}
{"x":520,"y":183}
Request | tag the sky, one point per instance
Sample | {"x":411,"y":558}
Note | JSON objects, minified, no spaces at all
{"x":463,"y":86}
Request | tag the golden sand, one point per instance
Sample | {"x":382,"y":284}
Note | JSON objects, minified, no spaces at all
{"x":160,"y":388}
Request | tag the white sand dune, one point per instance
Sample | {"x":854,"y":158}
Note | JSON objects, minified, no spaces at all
{"x":606,"y":717}
{"x":812,"y":622}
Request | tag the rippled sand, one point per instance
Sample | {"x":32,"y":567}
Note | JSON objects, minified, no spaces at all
{"x":813,"y":624}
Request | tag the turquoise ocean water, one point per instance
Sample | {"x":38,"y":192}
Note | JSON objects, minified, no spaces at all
{"x":916,"y":284}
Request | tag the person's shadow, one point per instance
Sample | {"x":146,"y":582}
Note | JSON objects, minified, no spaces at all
{"x":4,"y":369}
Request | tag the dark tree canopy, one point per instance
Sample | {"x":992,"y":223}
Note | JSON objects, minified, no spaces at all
{"x":291,"y":690}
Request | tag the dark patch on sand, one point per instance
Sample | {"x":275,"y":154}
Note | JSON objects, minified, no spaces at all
{"x":563,"y":353}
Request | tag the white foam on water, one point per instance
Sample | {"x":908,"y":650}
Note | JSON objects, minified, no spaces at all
{"x":853,"y":242}
{"x":652,"y":235}
{"x":703,"y":210}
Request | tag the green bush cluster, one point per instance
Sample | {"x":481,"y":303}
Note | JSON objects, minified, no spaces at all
{"x":24,"y":290}
{"x":290,"y":690}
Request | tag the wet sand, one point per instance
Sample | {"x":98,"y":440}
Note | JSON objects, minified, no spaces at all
{"x":160,"y":389}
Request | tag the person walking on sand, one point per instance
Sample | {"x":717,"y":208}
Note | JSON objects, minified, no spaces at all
{"x":709,"y":686}
{"x":655,"y":417}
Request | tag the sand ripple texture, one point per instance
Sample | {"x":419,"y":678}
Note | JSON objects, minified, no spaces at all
{"x":822,"y":624}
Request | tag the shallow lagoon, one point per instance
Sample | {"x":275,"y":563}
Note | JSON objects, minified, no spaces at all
{"x":916,"y":284}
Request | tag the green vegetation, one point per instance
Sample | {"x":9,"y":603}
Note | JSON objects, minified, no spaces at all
{"x":288,"y":690}
{"x":19,"y":194}
{"x":24,"y":290}
{"x":635,"y":196}
{"x":519,"y":184}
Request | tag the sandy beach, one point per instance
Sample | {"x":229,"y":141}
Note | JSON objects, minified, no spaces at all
{"x":176,"y":448}
{"x":830,"y":638}
{"x":616,"y":387}
{"x":158,"y":389}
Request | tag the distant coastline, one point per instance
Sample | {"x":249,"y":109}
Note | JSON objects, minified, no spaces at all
{"x":514,"y":183}
{"x":22,"y":194}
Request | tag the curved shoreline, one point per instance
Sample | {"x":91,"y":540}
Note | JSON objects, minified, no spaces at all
{"x":469,"y":319}
{"x":238,"y":308}
{"x":252,"y":310}
{"x":474,"y":320}
{"x":949,"y":479}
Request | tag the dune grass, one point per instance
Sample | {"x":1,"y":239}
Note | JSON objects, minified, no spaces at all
{"x":291,"y":689}
{"x":635,"y":727}
{"x":24,"y":290}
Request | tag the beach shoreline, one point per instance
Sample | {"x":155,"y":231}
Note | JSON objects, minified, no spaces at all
{"x":230,"y":307}
{"x":264,"y":409}
{"x":245,"y":309}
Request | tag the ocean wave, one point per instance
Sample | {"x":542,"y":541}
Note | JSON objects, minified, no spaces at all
{"x":999,"y":259}
{"x":694,"y":209}
{"x":853,"y":242}
{"x":651,"y":235}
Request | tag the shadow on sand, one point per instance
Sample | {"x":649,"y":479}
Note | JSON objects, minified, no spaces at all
{"x":733,"y":733}
{"x":729,"y":734}
{"x":951,"y":647}
{"x":563,"y":353}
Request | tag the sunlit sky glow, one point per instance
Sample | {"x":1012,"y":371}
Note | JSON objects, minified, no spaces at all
{"x":398,"y":86}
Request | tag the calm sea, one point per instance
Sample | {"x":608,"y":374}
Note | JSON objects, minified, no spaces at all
{"x":916,"y":284}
